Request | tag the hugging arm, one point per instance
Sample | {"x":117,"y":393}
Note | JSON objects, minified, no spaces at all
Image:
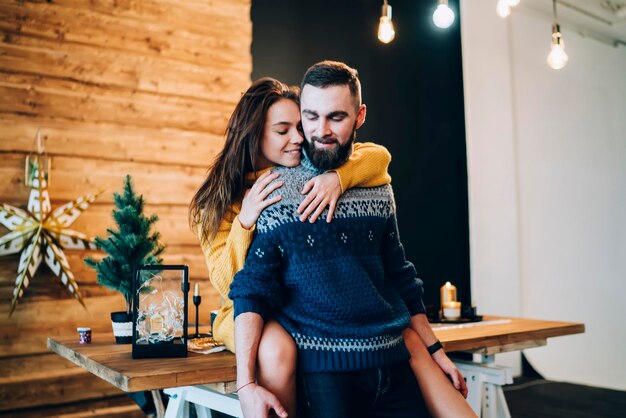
{"x":366,"y":167}
{"x":226,"y":252}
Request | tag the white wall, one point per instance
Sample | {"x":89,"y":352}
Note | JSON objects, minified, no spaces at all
{"x":547,"y":187}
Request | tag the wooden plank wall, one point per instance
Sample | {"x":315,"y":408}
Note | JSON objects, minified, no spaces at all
{"x":143,"y":87}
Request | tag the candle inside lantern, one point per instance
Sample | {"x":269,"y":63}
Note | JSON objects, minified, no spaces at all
{"x":447,"y":293}
{"x":195,"y":290}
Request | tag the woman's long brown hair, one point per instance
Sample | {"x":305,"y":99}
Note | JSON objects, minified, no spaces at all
{"x":226,"y":177}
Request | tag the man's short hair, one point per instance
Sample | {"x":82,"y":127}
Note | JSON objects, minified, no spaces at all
{"x":333,"y":73}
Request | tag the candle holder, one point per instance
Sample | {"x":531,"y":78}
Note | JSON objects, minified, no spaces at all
{"x":197,"y":300}
{"x":451,"y":311}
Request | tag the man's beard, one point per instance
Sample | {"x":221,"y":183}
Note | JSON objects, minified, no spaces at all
{"x":329,"y":159}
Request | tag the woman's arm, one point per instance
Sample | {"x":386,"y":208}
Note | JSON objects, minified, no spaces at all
{"x":366,"y":167}
{"x":226,"y":253}
{"x":441,"y":398}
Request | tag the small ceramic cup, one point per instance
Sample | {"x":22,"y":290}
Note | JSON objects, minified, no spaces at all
{"x":84,"y":335}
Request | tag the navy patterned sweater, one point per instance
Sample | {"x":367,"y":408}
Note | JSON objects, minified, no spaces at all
{"x":343,"y":289}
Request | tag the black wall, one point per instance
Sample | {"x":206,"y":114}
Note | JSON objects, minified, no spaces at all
{"x":413,"y":89}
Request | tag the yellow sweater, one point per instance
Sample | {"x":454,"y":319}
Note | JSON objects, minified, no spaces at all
{"x":226,"y":254}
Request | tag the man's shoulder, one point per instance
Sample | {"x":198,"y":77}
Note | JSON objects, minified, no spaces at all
{"x":293,"y":179}
{"x":378,"y":200}
{"x":384,"y":191}
{"x":284,"y":211}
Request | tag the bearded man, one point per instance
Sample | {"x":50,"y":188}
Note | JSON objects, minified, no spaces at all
{"x":343,"y":290}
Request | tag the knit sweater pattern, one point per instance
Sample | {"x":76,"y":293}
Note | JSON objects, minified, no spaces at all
{"x":343,"y":289}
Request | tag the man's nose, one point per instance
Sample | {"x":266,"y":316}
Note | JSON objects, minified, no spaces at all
{"x":323,"y":128}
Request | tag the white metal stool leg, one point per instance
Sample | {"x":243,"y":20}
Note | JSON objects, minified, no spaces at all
{"x":177,"y":407}
{"x":203,"y":411}
{"x":474,"y":389}
{"x":205,"y":400}
{"x":484,"y":383}
{"x":203,"y":395}
{"x":502,"y":407}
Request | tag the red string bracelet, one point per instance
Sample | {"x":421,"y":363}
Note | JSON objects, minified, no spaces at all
{"x":243,"y":386}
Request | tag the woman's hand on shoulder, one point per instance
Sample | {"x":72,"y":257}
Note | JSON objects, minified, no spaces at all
{"x":255,"y":198}
{"x":322,"y":191}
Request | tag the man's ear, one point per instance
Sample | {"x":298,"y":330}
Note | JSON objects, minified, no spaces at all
{"x":360,"y":116}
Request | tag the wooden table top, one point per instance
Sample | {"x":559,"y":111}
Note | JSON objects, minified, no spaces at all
{"x":113,"y":363}
{"x":500,"y":334}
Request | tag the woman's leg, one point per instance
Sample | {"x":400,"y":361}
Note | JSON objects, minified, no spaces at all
{"x":441,"y":398}
{"x":277,"y":365}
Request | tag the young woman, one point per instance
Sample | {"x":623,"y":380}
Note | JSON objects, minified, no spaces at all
{"x":264,"y":131}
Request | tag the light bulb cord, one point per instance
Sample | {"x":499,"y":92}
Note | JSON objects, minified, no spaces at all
{"x":555,"y":26}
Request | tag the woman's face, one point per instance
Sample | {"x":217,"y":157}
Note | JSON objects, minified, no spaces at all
{"x":281,"y":143}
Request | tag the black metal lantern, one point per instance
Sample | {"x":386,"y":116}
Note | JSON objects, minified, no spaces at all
{"x":160,"y":311}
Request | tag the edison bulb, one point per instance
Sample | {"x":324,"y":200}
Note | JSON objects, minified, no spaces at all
{"x":443,"y":16}
{"x":503,"y":9}
{"x":386,"y":33}
{"x":557,"y":58}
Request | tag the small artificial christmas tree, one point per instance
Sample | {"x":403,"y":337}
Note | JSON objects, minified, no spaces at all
{"x":128,"y":248}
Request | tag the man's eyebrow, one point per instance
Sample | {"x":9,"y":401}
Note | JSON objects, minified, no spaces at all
{"x":337,"y":113}
{"x":309,"y":112}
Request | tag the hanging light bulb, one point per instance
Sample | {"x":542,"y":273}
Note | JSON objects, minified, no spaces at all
{"x":386,"y":33}
{"x":503,"y":8}
{"x":443,"y":16}
{"x":557,"y":58}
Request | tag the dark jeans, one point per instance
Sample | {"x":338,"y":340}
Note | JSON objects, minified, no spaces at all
{"x":390,"y":391}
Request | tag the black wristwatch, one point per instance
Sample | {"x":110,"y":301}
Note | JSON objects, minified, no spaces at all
{"x":436,"y":346}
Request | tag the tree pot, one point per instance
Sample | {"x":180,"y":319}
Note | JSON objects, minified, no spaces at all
{"x":122,"y":327}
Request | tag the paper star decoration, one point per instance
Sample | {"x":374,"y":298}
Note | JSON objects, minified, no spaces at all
{"x":41,"y":235}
